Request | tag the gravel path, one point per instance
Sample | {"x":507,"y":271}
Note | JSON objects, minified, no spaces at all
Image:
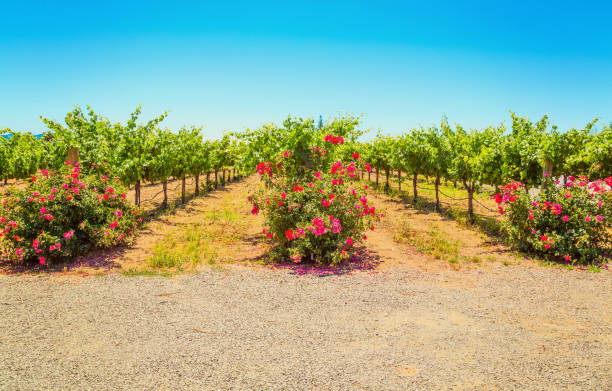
{"x":239,"y":328}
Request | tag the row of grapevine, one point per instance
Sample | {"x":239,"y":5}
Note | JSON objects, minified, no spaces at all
{"x":295,"y":134}
{"x":20,"y":155}
{"x":134,"y":152}
{"x":139,"y":152}
{"x":492,"y":156}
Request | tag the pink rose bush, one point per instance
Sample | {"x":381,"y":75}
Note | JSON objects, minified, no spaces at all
{"x":569,"y":222}
{"x":316,"y":211}
{"x":64,"y":214}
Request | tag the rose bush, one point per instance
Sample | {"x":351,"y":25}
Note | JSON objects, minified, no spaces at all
{"x":64,"y":214}
{"x":570,"y":222}
{"x":315,"y":209}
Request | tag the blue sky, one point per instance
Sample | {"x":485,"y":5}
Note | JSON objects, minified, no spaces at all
{"x":240,"y":64}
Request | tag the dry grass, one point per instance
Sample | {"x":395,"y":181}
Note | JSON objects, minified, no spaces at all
{"x":195,"y":243}
{"x":210,"y":230}
{"x":431,"y":242}
{"x":435,"y":241}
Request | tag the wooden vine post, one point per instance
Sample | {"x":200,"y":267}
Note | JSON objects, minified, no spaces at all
{"x":183,"y":190}
{"x":165,"y":187}
{"x":73,"y":155}
{"x":548,"y":167}
{"x":547,"y":170}
{"x":137,"y":192}
{"x":399,"y":180}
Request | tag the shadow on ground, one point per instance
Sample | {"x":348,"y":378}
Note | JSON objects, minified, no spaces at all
{"x":426,"y":205}
{"x":362,"y":260}
{"x":97,"y":260}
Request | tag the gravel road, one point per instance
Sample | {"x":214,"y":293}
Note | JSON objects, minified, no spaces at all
{"x":241,"y":328}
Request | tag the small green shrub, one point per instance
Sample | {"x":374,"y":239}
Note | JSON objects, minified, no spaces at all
{"x":61,"y":215}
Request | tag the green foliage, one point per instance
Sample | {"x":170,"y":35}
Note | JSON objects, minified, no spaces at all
{"x":21,"y":155}
{"x":522,"y":160}
{"x":92,"y":134}
{"x":413,"y":152}
{"x":221,"y":156}
{"x":136,"y":142}
{"x":378,"y":154}
{"x":161,"y":163}
{"x":188,"y":153}
{"x":438,"y":153}
{"x":299,"y":136}
{"x":128,"y":148}
{"x":5,"y":164}
{"x":137,"y":151}
{"x":589,"y":154}
{"x":467,"y":147}
{"x":489,"y":156}
{"x":142,"y":152}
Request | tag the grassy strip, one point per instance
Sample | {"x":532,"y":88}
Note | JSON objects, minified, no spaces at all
{"x":183,"y":249}
{"x":433,"y":242}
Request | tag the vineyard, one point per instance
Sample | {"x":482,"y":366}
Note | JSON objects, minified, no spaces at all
{"x":306,"y":195}
{"x":146,"y":152}
{"x":475,"y":163}
{"x":430,"y":255}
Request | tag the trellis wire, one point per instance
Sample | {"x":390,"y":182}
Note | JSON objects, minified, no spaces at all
{"x":176,"y":188}
{"x":459,"y":199}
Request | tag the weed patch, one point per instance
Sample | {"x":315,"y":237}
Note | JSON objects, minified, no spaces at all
{"x":431,"y":242}
{"x":197,"y":243}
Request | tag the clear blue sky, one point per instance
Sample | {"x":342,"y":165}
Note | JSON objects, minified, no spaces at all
{"x":229,"y":65}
